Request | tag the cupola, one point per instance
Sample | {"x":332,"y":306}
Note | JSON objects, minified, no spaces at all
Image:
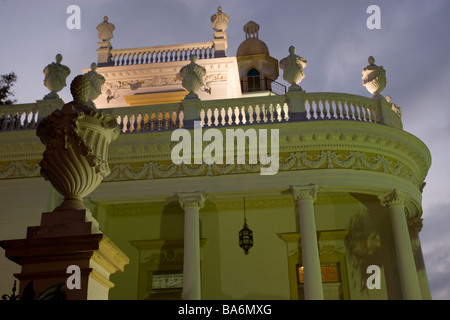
{"x":257,"y":69}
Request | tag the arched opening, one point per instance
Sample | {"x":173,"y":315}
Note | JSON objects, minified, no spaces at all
{"x":253,"y":80}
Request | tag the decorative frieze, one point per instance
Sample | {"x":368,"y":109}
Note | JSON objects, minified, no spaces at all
{"x":19,"y":169}
{"x":305,"y":160}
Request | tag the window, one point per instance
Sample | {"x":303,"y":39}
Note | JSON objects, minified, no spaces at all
{"x":331,"y":281}
{"x":166,"y":280}
{"x":330,"y":273}
{"x":253,"y":80}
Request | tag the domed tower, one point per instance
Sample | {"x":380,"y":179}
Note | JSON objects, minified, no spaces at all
{"x":257,"y":69}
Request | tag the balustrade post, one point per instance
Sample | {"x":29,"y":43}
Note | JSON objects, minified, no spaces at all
{"x":191,"y":112}
{"x":296,"y":102}
{"x":105,"y":33}
{"x":220,"y":43}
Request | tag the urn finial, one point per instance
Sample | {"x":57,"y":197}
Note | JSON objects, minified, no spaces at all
{"x":293,"y":66}
{"x":374,"y":77}
{"x":86,"y":88}
{"x":192,"y":77}
{"x":105,"y":29}
{"x":55,"y":77}
{"x":220,"y":20}
{"x":77,"y":138}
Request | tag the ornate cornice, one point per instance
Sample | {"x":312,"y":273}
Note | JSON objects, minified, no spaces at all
{"x":303,"y":146}
{"x":148,"y":170}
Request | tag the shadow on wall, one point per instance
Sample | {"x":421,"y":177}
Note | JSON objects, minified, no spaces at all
{"x":172,"y":228}
{"x":172,"y":222}
{"x":370,"y":242}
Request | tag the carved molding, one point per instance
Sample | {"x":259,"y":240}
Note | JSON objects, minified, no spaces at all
{"x":415,"y":223}
{"x":305,"y":160}
{"x":20,"y":169}
{"x":189,"y":199}
{"x":162,"y":252}
{"x":393,"y":197}
{"x":149,"y":170}
{"x":304,"y":193}
{"x":330,"y":242}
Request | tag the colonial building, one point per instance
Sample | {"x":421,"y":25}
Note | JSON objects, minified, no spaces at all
{"x":216,"y":182}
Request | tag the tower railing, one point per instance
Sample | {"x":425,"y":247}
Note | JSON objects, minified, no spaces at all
{"x":314,"y":106}
{"x":159,"y":54}
{"x":256,"y":83}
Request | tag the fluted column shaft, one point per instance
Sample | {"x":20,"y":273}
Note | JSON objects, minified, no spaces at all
{"x":191,"y":202}
{"x":305,"y":197}
{"x":395,"y":201}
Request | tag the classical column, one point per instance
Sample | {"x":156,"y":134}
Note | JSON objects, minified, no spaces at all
{"x":395,"y":200}
{"x":191,"y":202}
{"x":305,"y":197}
{"x":415,"y":225}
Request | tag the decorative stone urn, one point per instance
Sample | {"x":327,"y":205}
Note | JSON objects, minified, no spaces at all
{"x":220,"y":20}
{"x":293,"y":66}
{"x":192,"y":77}
{"x":77,"y":139}
{"x":55,"y":77}
{"x":105,"y":30}
{"x":374,"y":77}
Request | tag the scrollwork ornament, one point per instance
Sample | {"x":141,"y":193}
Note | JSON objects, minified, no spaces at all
{"x":191,"y":199}
{"x":415,"y":223}
{"x":392,"y":198}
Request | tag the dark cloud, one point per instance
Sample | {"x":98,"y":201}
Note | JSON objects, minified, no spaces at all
{"x":435,"y":240}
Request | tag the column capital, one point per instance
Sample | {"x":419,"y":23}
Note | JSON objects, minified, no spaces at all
{"x":415,"y":223}
{"x":187,"y":199}
{"x":393,"y":197}
{"x":304,"y":192}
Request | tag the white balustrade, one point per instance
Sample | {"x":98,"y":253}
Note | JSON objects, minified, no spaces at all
{"x":16,"y":117}
{"x":327,"y":105}
{"x":244,"y":111}
{"x":159,"y":54}
{"x":218,"y":113}
{"x":148,"y":118}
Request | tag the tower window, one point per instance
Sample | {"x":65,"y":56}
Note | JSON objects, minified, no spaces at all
{"x":253,"y":80}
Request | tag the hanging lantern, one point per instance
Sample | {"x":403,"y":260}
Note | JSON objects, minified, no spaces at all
{"x":245,"y":235}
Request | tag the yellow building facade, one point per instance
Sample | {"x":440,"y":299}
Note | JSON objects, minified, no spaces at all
{"x":337,"y":216}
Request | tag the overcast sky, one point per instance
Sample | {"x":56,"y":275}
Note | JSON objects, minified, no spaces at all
{"x":413,"y":45}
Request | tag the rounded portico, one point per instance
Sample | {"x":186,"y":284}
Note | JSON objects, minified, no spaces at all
{"x":329,"y":183}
